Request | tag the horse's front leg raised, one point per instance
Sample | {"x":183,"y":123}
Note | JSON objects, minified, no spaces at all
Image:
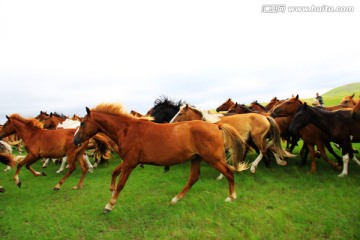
{"x":28,"y":160}
{"x":126,"y":170}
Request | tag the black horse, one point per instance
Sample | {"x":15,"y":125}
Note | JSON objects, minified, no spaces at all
{"x":338,"y":125}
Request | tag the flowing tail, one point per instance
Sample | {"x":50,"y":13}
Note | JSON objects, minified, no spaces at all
{"x":275,"y":141}
{"x":236,"y":145}
{"x":103,"y":146}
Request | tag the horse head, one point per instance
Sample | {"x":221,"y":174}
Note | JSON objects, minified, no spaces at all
{"x":301,"y":118}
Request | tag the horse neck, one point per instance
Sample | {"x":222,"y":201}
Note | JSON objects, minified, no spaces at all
{"x":112,"y":125}
{"x":24,"y":130}
{"x":323,"y":120}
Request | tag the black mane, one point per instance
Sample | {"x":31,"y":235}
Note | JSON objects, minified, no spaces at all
{"x":165,"y":109}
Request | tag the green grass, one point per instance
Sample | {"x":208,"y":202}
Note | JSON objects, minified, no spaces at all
{"x":276,"y":203}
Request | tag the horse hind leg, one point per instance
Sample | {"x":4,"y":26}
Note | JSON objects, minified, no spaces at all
{"x":255,"y":163}
{"x":193,"y":178}
{"x":63,"y":163}
{"x":82,"y":164}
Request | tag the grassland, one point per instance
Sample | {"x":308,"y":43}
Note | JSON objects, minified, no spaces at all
{"x":281,"y":202}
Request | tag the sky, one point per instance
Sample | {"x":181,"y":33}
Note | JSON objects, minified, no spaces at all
{"x":67,"y":55}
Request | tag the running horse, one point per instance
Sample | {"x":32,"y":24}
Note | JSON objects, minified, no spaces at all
{"x":142,"y":141}
{"x":43,"y":143}
{"x":258,"y":130}
{"x":339,"y":125}
{"x":226,"y":105}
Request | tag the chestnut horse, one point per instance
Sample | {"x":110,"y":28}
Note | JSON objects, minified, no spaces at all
{"x":226,"y":105}
{"x":251,"y":126}
{"x":144,"y":142}
{"x":311,"y":135}
{"x":349,"y":101}
{"x":338,"y":125}
{"x":43,"y":143}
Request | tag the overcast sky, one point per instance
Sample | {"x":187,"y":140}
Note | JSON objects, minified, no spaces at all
{"x":66,"y":55}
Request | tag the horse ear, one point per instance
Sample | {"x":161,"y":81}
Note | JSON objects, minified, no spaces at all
{"x":352,"y":95}
{"x":87,"y":110}
{"x":7,"y":117}
{"x":187,"y":106}
{"x":51,"y":114}
{"x":297,"y":96}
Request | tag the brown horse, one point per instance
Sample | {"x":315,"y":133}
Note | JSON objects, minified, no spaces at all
{"x":240,"y":108}
{"x":340,"y":126}
{"x":43,"y":143}
{"x":349,"y":101}
{"x":144,"y":142}
{"x":53,"y":120}
{"x":261,"y":130}
{"x":310,"y":134}
{"x":226,"y":105}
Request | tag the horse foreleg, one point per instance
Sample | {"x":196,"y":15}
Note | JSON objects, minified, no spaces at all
{"x":46,"y":162}
{"x":279,"y":161}
{"x":63,"y":163}
{"x":194,"y":176}
{"x":345,"y":165}
{"x":114,"y":175}
{"x":72,"y":167}
{"x":28,"y":159}
{"x":255,"y":163}
{"x":83,"y":172}
{"x":313,"y":158}
{"x":126,"y":170}
{"x":90,"y":166}
{"x":321,"y":149}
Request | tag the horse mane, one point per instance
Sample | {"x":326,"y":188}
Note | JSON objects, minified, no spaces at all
{"x":32,"y":121}
{"x":167,"y":102}
{"x":118,"y":110}
{"x":60,"y":115}
{"x":258,"y":104}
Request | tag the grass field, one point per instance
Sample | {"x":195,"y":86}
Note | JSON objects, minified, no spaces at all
{"x":281,"y":202}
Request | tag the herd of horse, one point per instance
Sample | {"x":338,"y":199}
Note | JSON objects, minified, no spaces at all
{"x":172,"y":132}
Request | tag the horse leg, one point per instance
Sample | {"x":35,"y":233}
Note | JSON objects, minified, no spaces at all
{"x":72,"y":167}
{"x":126,"y":170}
{"x":255,"y":163}
{"x":63,"y":163}
{"x":83,"y":171}
{"x":345,"y":165}
{"x":229,"y":175}
{"x":28,"y":159}
{"x":2,"y":189}
{"x":116,"y":172}
{"x":321,"y":149}
{"x":194,"y":176}
{"x":331,"y":150}
{"x":311,"y":150}
{"x":90,"y":166}
{"x":46,"y":162}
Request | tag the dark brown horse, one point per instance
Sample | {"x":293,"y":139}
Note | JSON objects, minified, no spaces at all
{"x":310,"y":134}
{"x":226,"y":105}
{"x":43,"y":143}
{"x":339,"y":125}
{"x":144,"y":142}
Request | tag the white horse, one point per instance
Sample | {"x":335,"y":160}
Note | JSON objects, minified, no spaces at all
{"x":69,"y":124}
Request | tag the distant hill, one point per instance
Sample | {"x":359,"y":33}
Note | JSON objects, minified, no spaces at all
{"x":345,"y":90}
{"x":334,"y":96}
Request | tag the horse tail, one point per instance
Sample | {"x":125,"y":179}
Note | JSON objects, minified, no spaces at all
{"x":275,"y":142}
{"x":103,"y":146}
{"x":7,"y":159}
{"x":236,"y":145}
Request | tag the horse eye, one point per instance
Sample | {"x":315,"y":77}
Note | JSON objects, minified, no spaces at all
{"x":82,"y":124}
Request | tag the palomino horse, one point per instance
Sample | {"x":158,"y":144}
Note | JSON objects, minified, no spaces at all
{"x":43,"y":143}
{"x":311,"y":135}
{"x":226,"y":105}
{"x":144,"y":142}
{"x":251,"y":126}
{"x":338,"y":125}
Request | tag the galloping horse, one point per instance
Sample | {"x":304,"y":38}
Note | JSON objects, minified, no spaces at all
{"x":310,"y":134}
{"x":43,"y":143}
{"x":251,"y":126}
{"x":226,"y":105}
{"x":338,"y":125}
{"x":144,"y":142}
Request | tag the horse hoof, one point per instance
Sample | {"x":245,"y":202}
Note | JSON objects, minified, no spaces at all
{"x":2,"y":190}
{"x":19,"y":184}
{"x":342,"y":175}
{"x":56,"y":188}
{"x":105,"y":211}
{"x":43,"y":174}
{"x":174,"y":201}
